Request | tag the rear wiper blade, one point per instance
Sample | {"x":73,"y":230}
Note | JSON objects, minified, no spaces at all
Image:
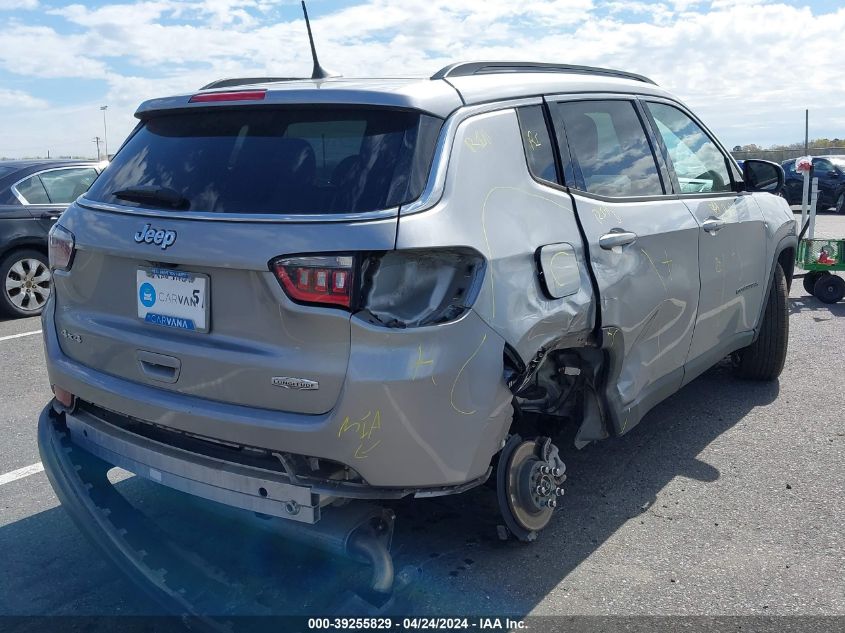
{"x":153,"y":195}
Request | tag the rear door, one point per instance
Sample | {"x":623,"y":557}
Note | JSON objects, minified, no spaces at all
{"x":218,"y":254}
{"x":731,"y":239}
{"x":643,"y":246}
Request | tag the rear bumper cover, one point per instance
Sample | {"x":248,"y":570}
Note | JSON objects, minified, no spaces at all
{"x":180,"y":580}
{"x":422,"y":410}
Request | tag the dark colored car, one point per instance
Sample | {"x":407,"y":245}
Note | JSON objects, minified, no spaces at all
{"x":32,"y":195}
{"x":830,"y":170}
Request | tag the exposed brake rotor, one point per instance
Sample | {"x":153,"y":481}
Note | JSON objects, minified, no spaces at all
{"x":528,"y":482}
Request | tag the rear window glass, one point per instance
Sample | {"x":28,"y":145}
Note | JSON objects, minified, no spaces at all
{"x":283,"y":160}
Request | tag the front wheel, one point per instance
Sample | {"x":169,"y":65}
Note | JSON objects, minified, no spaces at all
{"x":24,"y":283}
{"x":765,"y":357}
{"x":840,"y":203}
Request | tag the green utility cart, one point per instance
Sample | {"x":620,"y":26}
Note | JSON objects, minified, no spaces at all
{"x":820,"y":257}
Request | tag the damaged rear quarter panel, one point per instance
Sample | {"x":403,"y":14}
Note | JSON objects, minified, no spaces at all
{"x":492,"y":204}
{"x":424,"y":406}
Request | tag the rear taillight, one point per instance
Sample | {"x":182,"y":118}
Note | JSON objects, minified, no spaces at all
{"x":415,"y":288}
{"x":61,"y":245}
{"x":410,"y":288}
{"x":317,"y":279}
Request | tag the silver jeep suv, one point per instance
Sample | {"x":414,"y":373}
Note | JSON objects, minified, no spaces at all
{"x":283,"y":295}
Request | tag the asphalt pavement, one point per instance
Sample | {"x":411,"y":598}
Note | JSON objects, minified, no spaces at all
{"x":728,"y":499}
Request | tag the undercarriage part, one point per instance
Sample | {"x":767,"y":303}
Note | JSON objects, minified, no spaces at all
{"x":529,"y":478}
{"x":179,"y":579}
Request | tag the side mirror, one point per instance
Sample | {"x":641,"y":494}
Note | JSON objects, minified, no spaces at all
{"x":762,"y":175}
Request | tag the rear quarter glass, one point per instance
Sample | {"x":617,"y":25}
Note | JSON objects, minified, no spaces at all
{"x":253,"y":160}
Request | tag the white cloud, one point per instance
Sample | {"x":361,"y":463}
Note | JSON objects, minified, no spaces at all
{"x":735,"y":64}
{"x":16,"y":5}
{"x":19,"y":99}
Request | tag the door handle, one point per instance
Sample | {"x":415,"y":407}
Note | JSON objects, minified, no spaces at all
{"x":617,"y":238}
{"x":712,"y":225}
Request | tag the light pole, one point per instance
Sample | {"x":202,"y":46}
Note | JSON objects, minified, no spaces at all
{"x":105,"y":133}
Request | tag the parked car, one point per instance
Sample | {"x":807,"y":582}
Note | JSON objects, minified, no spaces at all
{"x":830,"y":171}
{"x":284,"y":296}
{"x":32,"y":196}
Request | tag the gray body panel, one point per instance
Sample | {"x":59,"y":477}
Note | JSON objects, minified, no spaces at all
{"x":417,"y":407}
{"x":732,"y":270}
{"x":649,"y":293}
{"x":491,"y":203}
{"x":256,"y":331}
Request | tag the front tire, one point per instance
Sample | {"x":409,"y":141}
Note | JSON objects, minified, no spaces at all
{"x":765,"y":357}
{"x":840,"y":203}
{"x":24,"y":283}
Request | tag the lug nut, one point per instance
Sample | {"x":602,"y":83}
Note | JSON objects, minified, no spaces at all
{"x":551,"y":503}
{"x":557,"y":472}
{"x":559,"y":491}
{"x":546,"y":470}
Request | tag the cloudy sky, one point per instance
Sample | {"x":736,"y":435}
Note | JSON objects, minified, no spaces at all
{"x":749,"y":68}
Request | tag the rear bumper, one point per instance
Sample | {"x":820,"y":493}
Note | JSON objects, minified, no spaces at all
{"x":422,"y":411}
{"x":179,"y":580}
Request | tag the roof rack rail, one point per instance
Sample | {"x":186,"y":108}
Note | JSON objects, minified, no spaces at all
{"x":245,"y":81}
{"x":465,"y":69}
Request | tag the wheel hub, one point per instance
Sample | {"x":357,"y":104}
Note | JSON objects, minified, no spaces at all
{"x":529,"y":478}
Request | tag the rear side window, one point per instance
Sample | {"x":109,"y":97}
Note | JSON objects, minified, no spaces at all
{"x":699,"y":164}
{"x":610,"y":146}
{"x":32,"y":190}
{"x":537,"y":144}
{"x":282,"y":160}
{"x":66,"y":185}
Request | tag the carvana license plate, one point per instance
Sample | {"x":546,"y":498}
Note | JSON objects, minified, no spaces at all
{"x":173,"y":298}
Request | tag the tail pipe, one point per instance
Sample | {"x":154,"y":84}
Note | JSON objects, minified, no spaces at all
{"x":360,"y":531}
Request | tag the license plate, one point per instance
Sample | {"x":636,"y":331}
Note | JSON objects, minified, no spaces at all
{"x":173,"y":298}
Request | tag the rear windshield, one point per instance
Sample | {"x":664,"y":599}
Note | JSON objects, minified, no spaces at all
{"x":286,"y":161}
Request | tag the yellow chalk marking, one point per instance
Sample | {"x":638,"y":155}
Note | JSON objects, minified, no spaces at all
{"x":668,"y":263}
{"x":458,"y":377}
{"x":552,"y":266}
{"x":420,"y":361}
{"x":480,"y":140}
{"x":650,"y":261}
{"x":625,"y":424}
{"x":361,"y":453}
{"x":363,"y":430}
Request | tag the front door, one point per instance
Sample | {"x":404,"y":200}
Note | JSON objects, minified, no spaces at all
{"x":643,"y":245}
{"x":731,"y":239}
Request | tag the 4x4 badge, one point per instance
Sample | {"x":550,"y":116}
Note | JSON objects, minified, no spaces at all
{"x":295,"y":383}
{"x":159,"y":237}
